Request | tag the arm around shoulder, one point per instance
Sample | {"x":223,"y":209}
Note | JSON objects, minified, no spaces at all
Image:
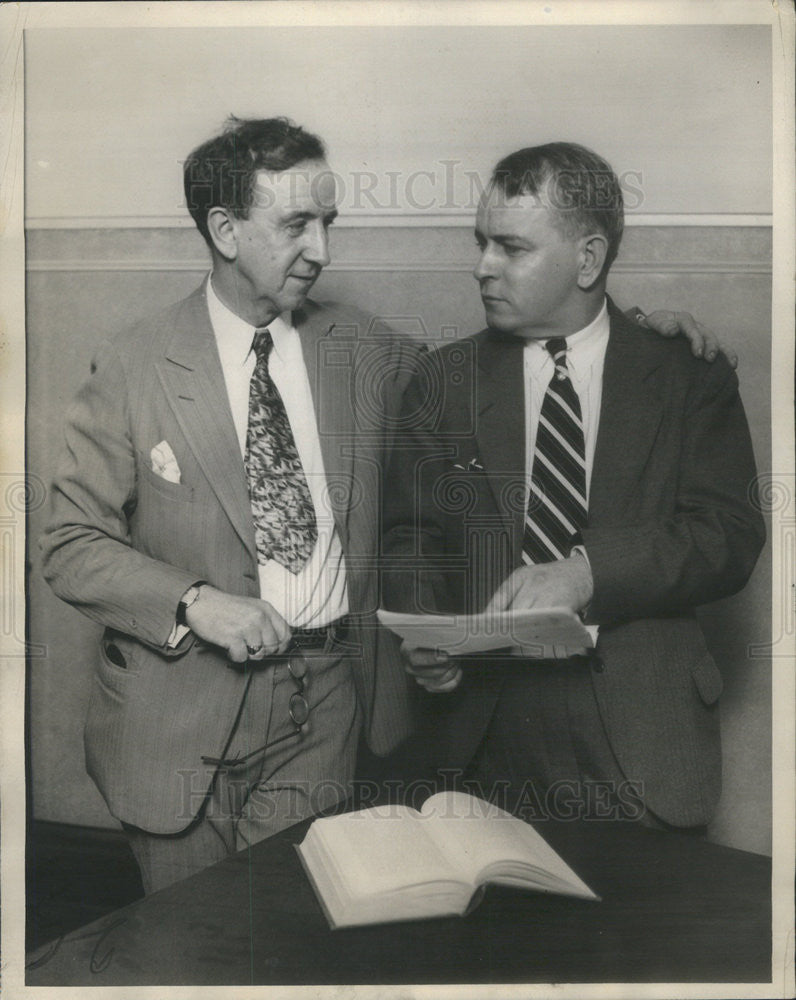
{"x":413,"y":532}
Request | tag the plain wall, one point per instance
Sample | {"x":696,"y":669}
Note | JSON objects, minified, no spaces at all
{"x":110,"y":116}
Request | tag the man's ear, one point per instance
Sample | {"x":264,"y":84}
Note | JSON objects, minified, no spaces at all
{"x":593,"y":252}
{"x":221,"y":226}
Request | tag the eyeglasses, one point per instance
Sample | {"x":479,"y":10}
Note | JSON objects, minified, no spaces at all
{"x":298,"y":709}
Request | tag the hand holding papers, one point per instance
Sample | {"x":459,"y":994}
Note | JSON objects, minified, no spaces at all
{"x":554,"y":633}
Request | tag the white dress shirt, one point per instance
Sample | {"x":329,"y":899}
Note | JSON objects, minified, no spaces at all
{"x":317,"y":594}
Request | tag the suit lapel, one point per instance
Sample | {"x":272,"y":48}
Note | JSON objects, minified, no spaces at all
{"x":193,"y":381}
{"x":500,"y":425}
{"x":330,"y":373}
{"x":630,"y":414}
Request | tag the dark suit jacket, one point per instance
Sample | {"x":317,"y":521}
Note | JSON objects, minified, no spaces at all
{"x":670,"y":527}
{"x":124,"y":544}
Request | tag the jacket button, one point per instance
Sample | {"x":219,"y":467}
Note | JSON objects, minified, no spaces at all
{"x":597,"y":664}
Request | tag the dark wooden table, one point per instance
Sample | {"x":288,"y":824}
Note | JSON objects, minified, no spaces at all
{"x":674,"y":909}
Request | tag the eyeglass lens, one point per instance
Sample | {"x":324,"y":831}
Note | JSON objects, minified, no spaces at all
{"x":298,"y":708}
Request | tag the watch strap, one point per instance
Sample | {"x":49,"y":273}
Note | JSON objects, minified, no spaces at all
{"x":190,"y":596}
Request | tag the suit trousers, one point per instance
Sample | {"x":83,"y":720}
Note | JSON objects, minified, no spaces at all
{"x":546,"y":755}
{"x":282,"y":785}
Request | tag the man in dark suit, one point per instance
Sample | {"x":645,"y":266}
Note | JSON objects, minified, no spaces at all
{"x":566,"y":458}
{"x":217,"y":511}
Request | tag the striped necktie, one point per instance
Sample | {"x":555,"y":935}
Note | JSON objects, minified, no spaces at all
{"x":282,"y":507}
{"x":557,"y":504}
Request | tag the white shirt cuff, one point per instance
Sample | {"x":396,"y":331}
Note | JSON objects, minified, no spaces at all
{"x":178,"y":633}
{"x":593,"y":630}
{"x":581,"y":551}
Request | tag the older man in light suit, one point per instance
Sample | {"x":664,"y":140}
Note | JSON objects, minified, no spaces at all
{"x":572,"y":460}
{"x":238,"y":666}
{"x":217,"y":510}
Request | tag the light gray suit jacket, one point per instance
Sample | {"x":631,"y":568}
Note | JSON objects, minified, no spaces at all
{"x":124,"y":544}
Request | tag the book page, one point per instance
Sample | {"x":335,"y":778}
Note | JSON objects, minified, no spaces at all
{"x":489,"y":844}
{"x":383,"y":849}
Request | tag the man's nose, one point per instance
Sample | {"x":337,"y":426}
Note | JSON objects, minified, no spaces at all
{"x":486,"y":266}
{"x":317,"y":246}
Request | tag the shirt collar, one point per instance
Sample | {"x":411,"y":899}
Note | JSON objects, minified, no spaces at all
{"x":234,"y":335}
{"x":583,"y":347}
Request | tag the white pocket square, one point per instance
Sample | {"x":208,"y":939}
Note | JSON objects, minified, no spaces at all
{"x":164,"y":464}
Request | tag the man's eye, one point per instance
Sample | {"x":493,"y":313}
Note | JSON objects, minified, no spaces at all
{"x":512,"y":251}
{"x":296,"y":228}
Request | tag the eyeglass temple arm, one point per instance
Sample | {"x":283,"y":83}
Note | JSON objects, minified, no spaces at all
{"x":236,"y":761}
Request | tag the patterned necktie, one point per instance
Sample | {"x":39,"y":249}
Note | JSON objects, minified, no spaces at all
{"x":557,"y":503}
{"x":284,"y":515}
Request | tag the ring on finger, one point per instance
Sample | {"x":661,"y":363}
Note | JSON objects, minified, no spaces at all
{"x":252,"y":650}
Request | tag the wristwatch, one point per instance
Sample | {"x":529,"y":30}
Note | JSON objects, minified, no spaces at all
{"x":190,"y":597}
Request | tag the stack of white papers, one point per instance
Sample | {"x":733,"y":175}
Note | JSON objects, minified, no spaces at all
{"x":548,"y":633}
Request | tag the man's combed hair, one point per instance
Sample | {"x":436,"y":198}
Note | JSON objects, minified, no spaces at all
{"x":222,"y":171}
{"x":579,"y":186}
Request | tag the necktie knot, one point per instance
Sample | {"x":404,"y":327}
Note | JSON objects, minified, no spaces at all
{"x":262,"y":343}
{"x":557,"y":347}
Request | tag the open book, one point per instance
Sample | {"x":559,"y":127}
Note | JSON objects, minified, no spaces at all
{"x":549,"y":633}
{"x":394,"y":863}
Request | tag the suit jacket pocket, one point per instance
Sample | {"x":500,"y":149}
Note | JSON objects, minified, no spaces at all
{"x":114,"y":664}
{"x":173,"y":491}
{"x":707,"y":678}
